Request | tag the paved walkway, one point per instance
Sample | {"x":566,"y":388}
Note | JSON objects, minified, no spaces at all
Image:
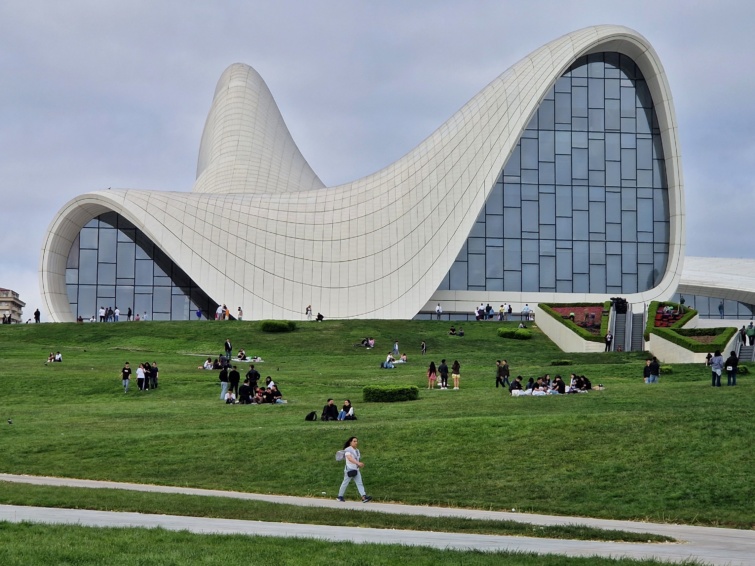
{"x":712,"y":545}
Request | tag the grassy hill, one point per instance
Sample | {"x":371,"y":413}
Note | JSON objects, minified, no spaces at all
{"x":678,"y":451}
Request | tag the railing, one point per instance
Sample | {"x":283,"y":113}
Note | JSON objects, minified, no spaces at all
{"x":470,"y":317}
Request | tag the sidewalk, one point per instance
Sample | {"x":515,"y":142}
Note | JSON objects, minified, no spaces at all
{"x":712,"y":545}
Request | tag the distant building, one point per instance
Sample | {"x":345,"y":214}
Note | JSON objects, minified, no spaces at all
{"x":11,"y":305}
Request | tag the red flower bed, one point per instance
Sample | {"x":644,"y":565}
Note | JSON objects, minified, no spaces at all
{"x":583,"y":316}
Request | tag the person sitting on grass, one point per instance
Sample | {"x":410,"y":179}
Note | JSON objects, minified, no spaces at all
{"x":401,"y":360}
{"x":58,"y":357}
{"x":329,"y":411}
{"x":516,"y":385}
{"x":277,"y":395}
{"x":389,"y":359}
{"x":50,"y":358}
{"x":460,"y":332}
{"x":347,"y":412}
{"x":206,"y":365}
{"x":259,"y":397}
{"x":558,"y":387}
{"x":246,"y":395}
{"x":241,"y":355}
{"x":230,"y":398}
{"x":530,"y":384}
{"x":216,"y":364}
{"x":370,"y":343}
{"x":452,"y":331}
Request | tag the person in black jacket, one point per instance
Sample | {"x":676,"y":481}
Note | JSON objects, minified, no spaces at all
{"x":233,"y":381}
{"x":246,"y":393}
{"x":731,"y":368}
{"x":329,"y":412}
{"x":502,"y":373}
{"x":516,"y":385}
{"x":253,"y":376}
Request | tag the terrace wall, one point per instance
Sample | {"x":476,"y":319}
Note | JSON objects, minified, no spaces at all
{"x":564,"y":338}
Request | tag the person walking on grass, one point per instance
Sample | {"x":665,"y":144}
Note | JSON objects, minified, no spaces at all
{"x":352,"y":470}
{"x":456,"y":374}
{"x":126,"y":376}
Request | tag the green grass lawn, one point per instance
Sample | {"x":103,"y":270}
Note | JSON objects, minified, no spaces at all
{"x":679,"y":451}
{"x":42,"y":545}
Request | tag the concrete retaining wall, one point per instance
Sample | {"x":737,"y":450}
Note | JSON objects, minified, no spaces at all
{"x":565,"y":338}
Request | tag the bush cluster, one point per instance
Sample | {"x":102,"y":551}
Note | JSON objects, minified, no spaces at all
{"x":665,"y":370}
{"x":277,"y":326}
{"x":561,"y":362}
{"x":390,"y":393}
{"x":515,"y":333}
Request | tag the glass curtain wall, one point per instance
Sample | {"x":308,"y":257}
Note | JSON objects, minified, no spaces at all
{"x":582,"y":203}
{"x":716,"y":307}
{"x":113,"y":264}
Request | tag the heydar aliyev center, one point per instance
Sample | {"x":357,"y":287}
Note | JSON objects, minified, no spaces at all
{"x":561,"y":181}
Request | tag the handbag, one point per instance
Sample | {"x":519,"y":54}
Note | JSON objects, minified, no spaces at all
{"x":729,"y":368}
{"x":352,"y":473}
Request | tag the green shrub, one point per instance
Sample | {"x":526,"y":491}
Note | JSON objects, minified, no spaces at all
{"x":723,"y":335}
{"x":665,"y":370}
{"x":743,"y":370}
{"x":277,"y":326}
{"x":561,"y":362}
{"x":390,"y":393}
{"x":515,"y":333}
{"x":582,"y":332}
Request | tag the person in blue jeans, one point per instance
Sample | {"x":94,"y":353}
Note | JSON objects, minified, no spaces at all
{"x":352,"y":470}
{"x":717,"y":368}
{"x":731,"y":368}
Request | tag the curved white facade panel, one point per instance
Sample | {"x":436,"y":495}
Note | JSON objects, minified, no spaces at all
{"x":260,"y":231}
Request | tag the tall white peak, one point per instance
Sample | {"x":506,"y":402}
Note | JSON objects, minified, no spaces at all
{"x":246,"y":146}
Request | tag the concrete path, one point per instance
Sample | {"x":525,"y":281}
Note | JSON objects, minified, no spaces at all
{"x":711,"y":545}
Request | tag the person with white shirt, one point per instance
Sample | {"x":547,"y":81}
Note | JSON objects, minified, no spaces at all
{"x":351,"y":471}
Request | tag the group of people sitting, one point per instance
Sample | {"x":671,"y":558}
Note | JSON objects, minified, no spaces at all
{"x":250,"y":394}
{"x":223,"y":362}
{"x":242,"y":357}
{"x":331,"y":413}
{"x":366,"y":342}
{"x":453,"y":332}
{"x":54,"y":357}
{"x":390,"y":361}
{"x":545,"y":386}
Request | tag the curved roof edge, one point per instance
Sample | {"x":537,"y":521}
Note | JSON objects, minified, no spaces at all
{"x":377,"y":247}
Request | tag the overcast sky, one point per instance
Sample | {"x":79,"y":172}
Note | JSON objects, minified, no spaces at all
{"x":97,"y":94}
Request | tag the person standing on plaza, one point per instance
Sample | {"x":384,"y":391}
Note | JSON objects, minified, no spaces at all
{"x":125,"y":376}
{"x":731,"y":368}
{"x":129,"y":314}
{"x":721,"y":308}
{"x":716,"y":368}
{"x":750,"y":333}
{"x":438,"y":311}
{"x":456,"y":374}
{"x":37,"y":316}
{"x":117,"y":314}
{"x":352,"y":470}
{"x":308,"y":312}
{"x":228,"y":349}
{"x":239,"y":314}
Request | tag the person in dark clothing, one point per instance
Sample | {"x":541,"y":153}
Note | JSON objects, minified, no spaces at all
{"x":253,"y":376}
{"x":228,"y":349}
{"x":558,"y":387}
{"x":329,"y":412}
{"x":129,"y":314}
{"x":443,"y":371}
{"x":233,"y":381}
{"x":731,"y":368}
{"x":36,"y":316}
{"x":655,"y":370}
{"x":502,"y":374}
{"x":246,"y":393}
{"x":646,"y":370}
{"x":153,"y":376}
{"x":516,"y":385}
{"x":147,"y":376}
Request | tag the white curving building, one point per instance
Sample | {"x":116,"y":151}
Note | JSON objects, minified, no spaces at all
{"x":560,"y":181}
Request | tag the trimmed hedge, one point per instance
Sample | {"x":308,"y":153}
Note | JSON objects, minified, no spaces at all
{"x":390,"y":393}
{"x":561,"y":362}
{"x":723,"y":335}
{"x":653,"y":310}
{"x":582,"y":332}
{"x":277,"y":326}
{"x":515,"y":333}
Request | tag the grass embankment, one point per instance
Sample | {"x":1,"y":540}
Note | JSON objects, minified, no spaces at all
{"x":678,"y":451}
{"x":228,"y":508}
{"x":42,"y":545}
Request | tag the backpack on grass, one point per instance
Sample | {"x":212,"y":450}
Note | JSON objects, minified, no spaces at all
{"x":311,"y":416}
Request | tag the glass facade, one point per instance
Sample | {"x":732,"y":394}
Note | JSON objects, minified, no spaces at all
{"x":710,"y":307}
{"x":582,"y":203}
{"x":112,"y":263}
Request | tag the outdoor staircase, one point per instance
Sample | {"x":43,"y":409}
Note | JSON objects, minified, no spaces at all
{"x":638,"y":329}
{"x":745,"y":353}
{"x":619,"y":331}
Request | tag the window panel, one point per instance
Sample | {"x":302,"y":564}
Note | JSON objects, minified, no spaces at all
{"x":476,"y":266}
{"x":494,"y":226}
{"x":494,"y":204}
{"x":494,"y":263}
{"x":458,"y":279}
